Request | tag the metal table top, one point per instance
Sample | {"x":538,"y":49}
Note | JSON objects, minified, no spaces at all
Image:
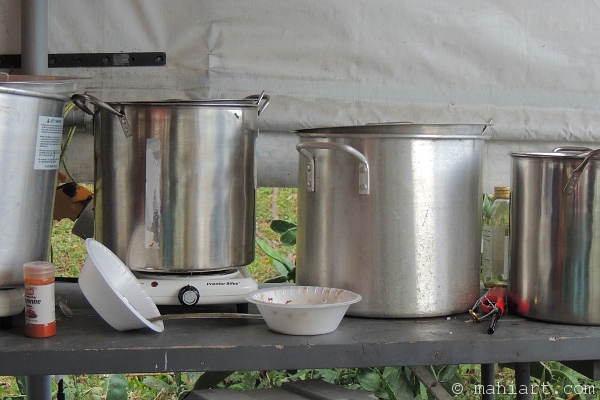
{"x":85,"y":344}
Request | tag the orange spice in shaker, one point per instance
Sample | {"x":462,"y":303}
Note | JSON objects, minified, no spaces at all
{"x":40,"y":318}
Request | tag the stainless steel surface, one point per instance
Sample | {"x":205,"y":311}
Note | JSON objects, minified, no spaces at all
{"x":363,"y":164}
{"x":26,"y":203}
{"x":42,"y":87}
{"x":411,"y":247}
{"x":555,"y":238}
{"x":80,"y":101}
{"x":576,"y":174}
{"x":178,"y":195}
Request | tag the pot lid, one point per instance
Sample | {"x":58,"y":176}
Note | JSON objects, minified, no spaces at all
{"x":402,"y":130}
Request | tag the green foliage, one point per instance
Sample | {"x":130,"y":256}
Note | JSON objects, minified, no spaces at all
{"x":272,"y":204}
{"x":117,"y":387}
{"x":488,"y":200}
{"x":208,"y":380}
{"x":249,"y":380}
{"x":393,"y":383}
{"x":283,"y":265}
{"x":68,"y":250}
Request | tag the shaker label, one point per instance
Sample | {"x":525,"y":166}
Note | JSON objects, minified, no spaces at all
{"x":39,"y":304}
{"x":48,"y":144}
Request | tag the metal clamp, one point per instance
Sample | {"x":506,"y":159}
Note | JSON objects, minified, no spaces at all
{"x":260,"y":97}
{"x":80,"y":101}
{"x":363,"y":165}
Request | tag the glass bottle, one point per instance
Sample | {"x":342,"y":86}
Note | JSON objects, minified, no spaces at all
{"x":494,"y":257}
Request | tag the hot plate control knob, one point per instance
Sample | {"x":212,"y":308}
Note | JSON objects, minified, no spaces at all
{"x":188,"y":295}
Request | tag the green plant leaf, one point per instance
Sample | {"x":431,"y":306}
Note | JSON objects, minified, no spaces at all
{"x":447,"y":373}
{"x":369,"y":379}
{"x":275,"y":255}
{"x":117,"y":387}
{"x":291,"y":277}
{"x":277,"y":279}
{"x":281,"y":226}
{"x":154,"y":383}
{"x":288,"y":238}
{"x":398,"y":385}
{"x":280,"y":267}
{"x":22,"y":383}
{"x":208,"y":380}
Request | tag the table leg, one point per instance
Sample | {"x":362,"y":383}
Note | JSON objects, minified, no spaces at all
{"x":523,"y":381}
{"x":39,"y":387}
{"x":488,"y":381}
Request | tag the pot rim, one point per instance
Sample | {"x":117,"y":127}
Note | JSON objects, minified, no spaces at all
{"x":405,"y":130}
{"x":188,"y":103}
{"x":548,"y":155}
{"x":46,"y":87}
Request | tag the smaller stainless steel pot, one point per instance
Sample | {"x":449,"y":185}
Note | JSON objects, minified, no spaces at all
{"x":555,"y":236}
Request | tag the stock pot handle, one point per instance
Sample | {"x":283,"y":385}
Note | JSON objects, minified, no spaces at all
{"x":31,"y":93}
{"x":574,"y":178}
{"x":80,"y":101}
{"x":571,"y":148}
{"x":260,"y":97}
{"x":363,"y":165}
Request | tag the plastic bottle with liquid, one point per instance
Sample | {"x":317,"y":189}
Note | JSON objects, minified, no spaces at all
{"x":495,"y":248}
{"x":40,"y":317}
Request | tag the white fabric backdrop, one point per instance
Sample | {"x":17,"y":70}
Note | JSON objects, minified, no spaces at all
{"x":533,"y":66}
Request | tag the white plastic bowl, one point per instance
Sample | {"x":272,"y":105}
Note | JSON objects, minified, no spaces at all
{"x":303,"y":310}
{"x":114,"y":292}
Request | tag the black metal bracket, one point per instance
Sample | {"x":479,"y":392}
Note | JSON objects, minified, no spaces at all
{"x":92,"y":60}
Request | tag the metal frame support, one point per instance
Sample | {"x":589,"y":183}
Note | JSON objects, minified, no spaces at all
{"x":488,"y":380}
{"x":34,"y":59}
{"x":39,"y":387}
{"x":434,"y":387}
{"x":523,"y":381}
{"x":34,"y":37}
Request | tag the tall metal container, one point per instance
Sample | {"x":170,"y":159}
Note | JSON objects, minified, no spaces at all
{"x":31,"y":122}
{"x":555,"y":236}
{"x":177,"y":195}
{"x":392,"y":212}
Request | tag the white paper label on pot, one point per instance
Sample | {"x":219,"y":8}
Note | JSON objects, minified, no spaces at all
{"x":47,"y":147}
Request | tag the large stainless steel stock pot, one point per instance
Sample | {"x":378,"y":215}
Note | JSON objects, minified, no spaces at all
{"x":31,"y":122}
{"x":392,"y":212}
{"x":555,"y":235}
{"x":175,"y":193}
